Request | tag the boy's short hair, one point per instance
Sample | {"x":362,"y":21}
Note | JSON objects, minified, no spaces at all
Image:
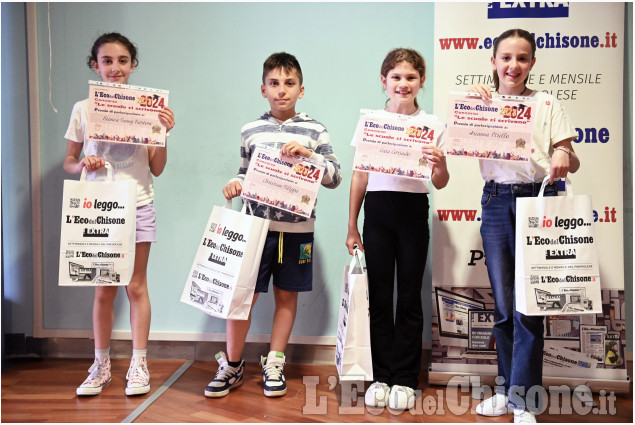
{"x":282,"y":60}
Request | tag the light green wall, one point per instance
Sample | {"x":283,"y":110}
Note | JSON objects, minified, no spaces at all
{"x":210,"y":58}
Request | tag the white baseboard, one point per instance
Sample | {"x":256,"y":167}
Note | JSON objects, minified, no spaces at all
{"x":195,"y":337}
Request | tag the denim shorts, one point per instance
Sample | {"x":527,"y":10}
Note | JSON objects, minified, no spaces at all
{"x":146,"y":224}
{"x":288,"y":257}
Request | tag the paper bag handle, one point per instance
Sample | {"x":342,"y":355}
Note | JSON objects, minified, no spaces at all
{"x":247,"y":205}
{"x":110,"y":176}
{"x":567,"y":184}
{"x":358,"y":255}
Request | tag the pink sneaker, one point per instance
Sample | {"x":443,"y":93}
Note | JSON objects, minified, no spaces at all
{"x":138,"y":377}
{"x":99,"y":377}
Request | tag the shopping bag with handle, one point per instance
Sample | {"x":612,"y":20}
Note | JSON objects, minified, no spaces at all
{"x":557,"y":268}
{"x":352,"y":348}
{"x":97,"y":239}
{"x":223,"y":276}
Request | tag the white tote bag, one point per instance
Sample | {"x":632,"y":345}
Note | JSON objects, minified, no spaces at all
{"x":97,"y":239}
{"x":557,"y":269}
{"x":223,"y":276}
{"x":352,"y":349}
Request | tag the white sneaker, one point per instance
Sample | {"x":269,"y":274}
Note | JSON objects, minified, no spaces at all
{"x":138,"y":377}
{"x":401,"y":398}
{"x":524,"y":417}
{"x":493,"y":406}
{"x":227,"y":378}
{"x":99,"y":377}
{"x":377,"y":395}
{"x":274,"y":382}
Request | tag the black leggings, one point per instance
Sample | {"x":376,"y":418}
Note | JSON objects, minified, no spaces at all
{"x":396,"y":233}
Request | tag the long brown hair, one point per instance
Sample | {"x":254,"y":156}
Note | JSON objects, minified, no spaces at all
{"x":396,"y":56}
{"x":513,"y":33}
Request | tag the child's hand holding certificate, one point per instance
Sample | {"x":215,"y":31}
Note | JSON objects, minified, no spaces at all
{"x":393,"y":146}
{"x":281,"y":181}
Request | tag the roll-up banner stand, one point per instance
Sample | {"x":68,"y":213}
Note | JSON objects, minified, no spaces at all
{"x":579,"y":60}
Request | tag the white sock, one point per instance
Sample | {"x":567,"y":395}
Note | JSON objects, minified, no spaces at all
{"x":139,"y":353}
{"x":102,"y":353}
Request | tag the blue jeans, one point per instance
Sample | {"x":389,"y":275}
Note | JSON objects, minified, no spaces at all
{"x":519,"y":338}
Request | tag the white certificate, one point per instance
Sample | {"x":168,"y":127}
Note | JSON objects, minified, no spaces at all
{"x":120,"y":113}
{"x":500,"y":129}
{"x":393,"y":146}
{"x":284,"y":182}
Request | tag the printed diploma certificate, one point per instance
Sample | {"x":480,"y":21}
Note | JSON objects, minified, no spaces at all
{"x":120,"y":113}
{"x":393,"y":146}
{"x":283,"y":182}
{"x":500,"y":129}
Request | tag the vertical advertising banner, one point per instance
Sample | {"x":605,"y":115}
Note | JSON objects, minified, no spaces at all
{"x":579,"y":60}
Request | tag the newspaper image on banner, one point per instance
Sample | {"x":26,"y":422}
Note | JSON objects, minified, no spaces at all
{"x":121,"y":113}
{"x":500,"y":129}
{"x":283,"y":182}
{"x":592,"y":341}
{"x":480,"y":327}
{"x":393,"y":146}
{"x":563,"y":357}
{"x":612,"y":350}
{"x":566,"y":327}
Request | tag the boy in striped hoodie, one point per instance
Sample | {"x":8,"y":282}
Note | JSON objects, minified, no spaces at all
{"x":287,"y":254}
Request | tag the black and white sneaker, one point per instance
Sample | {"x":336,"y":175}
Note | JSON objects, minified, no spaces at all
{"x":227,"y":378}
{"x":273,"y":374}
